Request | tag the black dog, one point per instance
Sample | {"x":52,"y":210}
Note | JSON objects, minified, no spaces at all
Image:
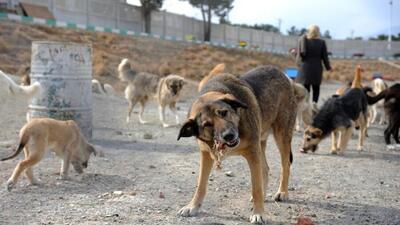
{"x":338,"y":114}
{"x":392,"y":110}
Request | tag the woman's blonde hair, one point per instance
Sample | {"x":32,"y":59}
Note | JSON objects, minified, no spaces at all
{"x":313,"y":32}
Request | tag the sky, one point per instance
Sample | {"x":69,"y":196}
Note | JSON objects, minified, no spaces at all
{"x":343,"y":18}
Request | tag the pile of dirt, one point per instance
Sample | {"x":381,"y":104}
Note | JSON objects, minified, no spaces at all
{"x":154,"y":55}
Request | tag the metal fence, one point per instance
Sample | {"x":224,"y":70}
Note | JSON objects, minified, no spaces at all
{"x":116,"y":14}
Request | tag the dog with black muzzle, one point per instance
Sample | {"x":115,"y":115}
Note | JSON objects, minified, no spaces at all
{"x":234,"y":116}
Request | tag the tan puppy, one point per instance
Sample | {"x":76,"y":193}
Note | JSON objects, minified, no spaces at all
{"x":143,"y":86}
{"x":305,"y":109}
{"x":234,"y":116}
{"x":62,"y":137}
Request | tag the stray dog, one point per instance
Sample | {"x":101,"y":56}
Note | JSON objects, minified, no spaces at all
{"x":218,"y":69}
{"x":305,"y":109}
{"x":104,"y":89}
{"x":391,"y":106}
{"x":378,"y":85}
{"x":339,"y":115}
{"x":142,"y":86}
{"x":234,"y":116}
{"x":62,"y":137}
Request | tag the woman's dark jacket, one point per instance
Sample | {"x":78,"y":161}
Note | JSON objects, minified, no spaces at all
{"x":310,"y":55}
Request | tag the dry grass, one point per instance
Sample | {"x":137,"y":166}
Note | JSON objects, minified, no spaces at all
{"x":156,"y":56}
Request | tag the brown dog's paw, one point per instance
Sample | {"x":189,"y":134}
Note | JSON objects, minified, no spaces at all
{"x":281,"y":197}
{"x":188,"y":211}
{"x":256,"y":219}
{"x":9,"y":185}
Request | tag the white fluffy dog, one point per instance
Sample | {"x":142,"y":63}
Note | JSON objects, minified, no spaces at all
{"x":378,"y":85}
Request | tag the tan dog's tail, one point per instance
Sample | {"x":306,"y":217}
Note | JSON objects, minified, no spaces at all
{"x":214,"y":72}
{"x":357,"y":78}
{"x":23,"y":141}
{"x":125,"y":71}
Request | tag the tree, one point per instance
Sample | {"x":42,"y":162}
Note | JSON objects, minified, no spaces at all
{"x":147,"y":7}
{"x":296,"y":32}
{"x":264,"y":27}
{"x":327,"y":35}
{"x":220,"y":8}
{"x":384,"y":37}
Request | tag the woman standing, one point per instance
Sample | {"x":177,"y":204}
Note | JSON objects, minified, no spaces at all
{"x":311,"y":52}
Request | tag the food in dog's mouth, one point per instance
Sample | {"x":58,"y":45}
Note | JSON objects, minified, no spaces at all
{"x":221,"y":145}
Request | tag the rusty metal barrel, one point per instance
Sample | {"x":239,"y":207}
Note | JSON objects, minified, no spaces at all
{"x":64,"y":71}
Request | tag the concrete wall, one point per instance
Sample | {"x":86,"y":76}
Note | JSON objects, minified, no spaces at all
{"x":118,"y":14}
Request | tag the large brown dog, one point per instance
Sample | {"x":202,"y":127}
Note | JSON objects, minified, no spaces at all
{"x":234,"y":116}
{"x":63,"y":137}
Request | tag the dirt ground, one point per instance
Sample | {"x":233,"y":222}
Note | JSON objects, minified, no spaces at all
{"x":146,"y":176}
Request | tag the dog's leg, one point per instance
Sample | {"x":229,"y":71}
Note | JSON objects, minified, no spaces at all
{"x":283,"y":139}
{"x":29,"y":170}
{"x":66,"y":160}
{"x":388,"y":132}
{"x":193,"y":207}
{"x":254,"y":159}
{"x":34,"y":157}
{"x":131,"y":104}
{"x":142,"y":105}
{"x":396,"y":130}
{"x":298,"y":121}
{"x":172,"y":106}
{"x":362,"y":132}
{"x":265,"y":166}
{"x":161,"y":111}
{"x":334,"y":142}
{"x":344,"y":139}
{"x":373,"y":114}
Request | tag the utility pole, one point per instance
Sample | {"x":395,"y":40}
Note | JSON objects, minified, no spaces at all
{"x":279,"y":24}
{"x":390,"y":26}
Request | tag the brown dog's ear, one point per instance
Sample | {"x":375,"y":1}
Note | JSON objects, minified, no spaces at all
{"x":316,"y":131}
{"x":234,"y":102}
{"x":188,"y":129}
{"x":92,"y":150}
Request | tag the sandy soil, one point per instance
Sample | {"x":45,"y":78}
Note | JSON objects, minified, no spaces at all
{"x":146,"y":176}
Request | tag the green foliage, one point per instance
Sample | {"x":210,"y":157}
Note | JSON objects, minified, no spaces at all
{"x":264,"y":27}
{"x":209,"y":8}
{"x":296,"y":32}
{"x":150,"y":5}
{"x":327,"y":35}
{"x":384,"y":37}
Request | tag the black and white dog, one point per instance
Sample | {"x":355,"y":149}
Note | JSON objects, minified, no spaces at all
{"x":339,"y":115}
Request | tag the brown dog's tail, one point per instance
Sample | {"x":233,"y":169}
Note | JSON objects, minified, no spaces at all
{"x":23,"y":141}
{"x":215,"y":71}
{"x":357,"y":78}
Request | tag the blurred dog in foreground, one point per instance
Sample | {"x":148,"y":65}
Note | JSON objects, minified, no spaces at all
{"x":143,"y":86}
{"x":62,"y":137}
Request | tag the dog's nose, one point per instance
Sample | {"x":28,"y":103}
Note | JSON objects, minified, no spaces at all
{"x":85,"y":164}
{"x":229,"y":137}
